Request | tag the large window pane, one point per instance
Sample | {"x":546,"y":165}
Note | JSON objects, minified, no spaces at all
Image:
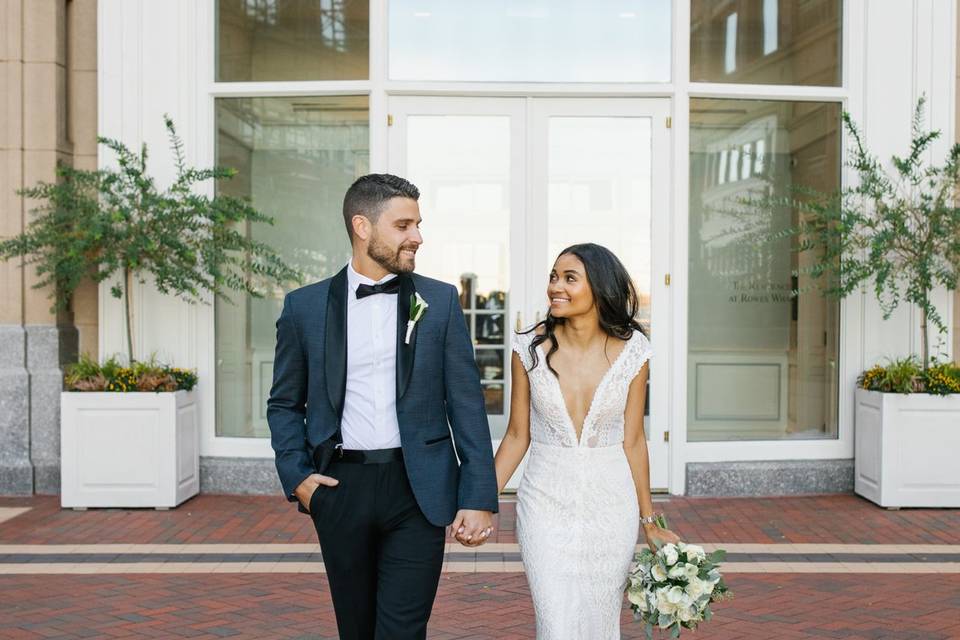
{"x":762,"y":364}
{"x":465,"y":200}
{"x":295,"y":157}
{"x":530,"y":40}
{"x":766,"y":41}
{"x":599,"y":191}
{"x":263,"y":40}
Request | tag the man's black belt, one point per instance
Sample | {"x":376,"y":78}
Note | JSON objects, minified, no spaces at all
{"x":368,"y":456}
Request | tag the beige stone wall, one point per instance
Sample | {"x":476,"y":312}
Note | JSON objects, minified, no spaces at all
{"x":82,"y":132}
{"x":48,"y":107}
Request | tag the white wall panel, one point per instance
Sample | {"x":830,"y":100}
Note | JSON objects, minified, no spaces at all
{"x":909,"y":51}
{"x":148,"y":67}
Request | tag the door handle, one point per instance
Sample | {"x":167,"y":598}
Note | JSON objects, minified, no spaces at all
{"x":518,"y":322}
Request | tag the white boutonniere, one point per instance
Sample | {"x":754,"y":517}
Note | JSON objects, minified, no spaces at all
{"x":418,"y":307}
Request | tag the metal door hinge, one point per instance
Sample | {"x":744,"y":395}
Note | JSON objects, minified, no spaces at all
{"x":666,"y":279}
{"x":666,"y":436}
{"x":389,"y":119}
{"x":669,"y":122}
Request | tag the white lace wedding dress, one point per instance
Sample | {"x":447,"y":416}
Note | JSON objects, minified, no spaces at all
{"x":577,"y":512}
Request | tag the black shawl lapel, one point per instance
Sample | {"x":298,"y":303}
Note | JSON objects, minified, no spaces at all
{"x":335,"y":342}
{"x":405,"y":352}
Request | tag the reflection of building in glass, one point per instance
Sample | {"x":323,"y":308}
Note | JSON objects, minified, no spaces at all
{"x":766,"y":41}
{"x":292,"y":40}
{"x":743,"y":323}
{"x":295,"y":157}
{"x":485,"y":313}
{"x":262,"y":11}
{"x":332,"y":25}
{"x":736,"y":166}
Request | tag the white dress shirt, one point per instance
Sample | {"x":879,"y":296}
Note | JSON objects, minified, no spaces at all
{"x":370,"y":404}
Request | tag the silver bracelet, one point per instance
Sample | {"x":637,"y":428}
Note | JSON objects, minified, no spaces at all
{"x":648,"y":519}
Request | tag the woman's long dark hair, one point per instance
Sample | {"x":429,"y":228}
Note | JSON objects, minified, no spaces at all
{"x":614,"y":295}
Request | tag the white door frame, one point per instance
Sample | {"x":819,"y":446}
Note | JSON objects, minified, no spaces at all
{"x":529,"y":120}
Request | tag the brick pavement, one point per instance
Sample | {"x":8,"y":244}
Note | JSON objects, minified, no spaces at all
{"x":798,"y":597}
{"x":469,"y":606}
{"x":222,"y":519}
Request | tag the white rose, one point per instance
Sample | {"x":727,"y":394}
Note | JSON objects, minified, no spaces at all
{"x":696,"y":588}
{"x":664,"y":605}
{"x":678,"y":571}
{"x":658,"y":573}
{"x":639,"y":598}
{"x":669,"y":552}
{"x":691,"y":571}
{"x":675,"y":595}
{"x":686,"y":614}
{"x":695,"y":553}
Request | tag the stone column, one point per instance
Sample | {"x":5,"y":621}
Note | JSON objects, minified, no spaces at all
{"x":16,"y":471}
{"x":35,"y":136}
{"x":82,"y":133}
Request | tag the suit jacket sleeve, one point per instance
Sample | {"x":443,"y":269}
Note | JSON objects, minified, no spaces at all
{"x":287,"y":405}
{"x":467,"y":415}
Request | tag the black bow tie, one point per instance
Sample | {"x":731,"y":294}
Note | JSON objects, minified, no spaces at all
{"x":390,"y":286}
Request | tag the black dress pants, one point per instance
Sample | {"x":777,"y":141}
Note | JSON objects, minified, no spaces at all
{"x":382,"y":556}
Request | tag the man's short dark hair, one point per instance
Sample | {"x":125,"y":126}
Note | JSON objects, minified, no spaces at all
{"x":368,"y":195}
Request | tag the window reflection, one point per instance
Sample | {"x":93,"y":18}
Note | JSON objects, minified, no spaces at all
{"x":766,"y":41}
{"x":465,"y":203}
{"x":261,"y":11}
{"x":333,"y":31}
{"x":762,"y":363}
{"x":273,"y":40}
{"x":771,"y":25}
{"x":730,"y":44}
{"x":295,"y":158}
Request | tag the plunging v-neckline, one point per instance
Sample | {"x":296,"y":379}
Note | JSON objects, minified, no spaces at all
{"x":578,"y":436}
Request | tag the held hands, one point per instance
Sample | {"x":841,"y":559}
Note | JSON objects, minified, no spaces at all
{"x":306,"y":488}
{"x":472,"y":528}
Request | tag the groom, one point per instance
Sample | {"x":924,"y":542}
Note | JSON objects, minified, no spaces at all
{"x":366,"y":396}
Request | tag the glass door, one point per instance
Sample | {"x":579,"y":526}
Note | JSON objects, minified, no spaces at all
{"x":599,"y":172}
{"x":506,"y":183}
{"x":466,"y":157}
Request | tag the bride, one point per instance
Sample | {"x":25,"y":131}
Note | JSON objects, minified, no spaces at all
{"x":579,"y":385}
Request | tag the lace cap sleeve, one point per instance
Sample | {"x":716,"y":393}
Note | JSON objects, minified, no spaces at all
{"x":521,"y":344}
{"x":640,"y":352}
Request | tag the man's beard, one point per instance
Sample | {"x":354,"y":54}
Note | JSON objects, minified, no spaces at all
{"x":390,"y":260}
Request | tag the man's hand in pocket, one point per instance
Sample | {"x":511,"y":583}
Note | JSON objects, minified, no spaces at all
{"x":305,"y":491}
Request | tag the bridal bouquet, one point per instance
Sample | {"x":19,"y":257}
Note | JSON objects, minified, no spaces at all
{"x":674,"y":587}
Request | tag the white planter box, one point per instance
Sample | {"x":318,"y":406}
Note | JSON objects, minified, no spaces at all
{"x":128,"y":449}
{"x":906,"y":449}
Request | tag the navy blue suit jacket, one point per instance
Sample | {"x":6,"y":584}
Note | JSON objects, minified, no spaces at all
{"x":438,"y":392}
